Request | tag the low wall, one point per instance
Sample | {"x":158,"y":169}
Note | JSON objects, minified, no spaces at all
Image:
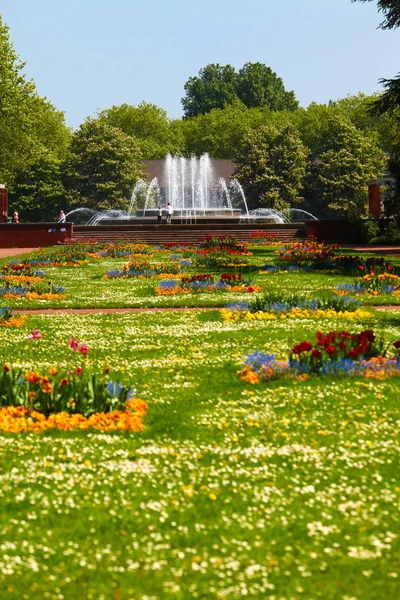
{"x":33,"y":235}
{"x":328,"y":230}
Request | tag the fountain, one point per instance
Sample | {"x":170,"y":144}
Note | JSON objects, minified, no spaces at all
{"x":195,"y":193}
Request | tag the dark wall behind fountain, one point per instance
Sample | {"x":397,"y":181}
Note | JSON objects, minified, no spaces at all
{"x":222,"y":168}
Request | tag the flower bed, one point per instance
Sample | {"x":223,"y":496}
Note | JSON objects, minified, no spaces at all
{"x":372,"y":283}
{"x":17,"y":419}
{"x":228,"y":282}
{"x":338,"y":353}
{"x":20,"y":280}
{"x":143,"y":268}
{"x":7,"y":318}
{"x":216,"y":258}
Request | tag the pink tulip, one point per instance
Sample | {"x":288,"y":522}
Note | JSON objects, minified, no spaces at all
{"x":84,"y":350}
{"x":35,"y":334}
{"x":73,"y":344}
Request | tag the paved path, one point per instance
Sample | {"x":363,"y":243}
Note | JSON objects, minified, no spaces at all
{"x":6,"y":252}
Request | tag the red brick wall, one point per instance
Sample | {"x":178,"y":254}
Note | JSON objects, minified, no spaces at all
{"x":33,"y":235}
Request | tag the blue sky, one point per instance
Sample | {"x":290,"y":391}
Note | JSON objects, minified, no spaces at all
{"x":86,"y":55}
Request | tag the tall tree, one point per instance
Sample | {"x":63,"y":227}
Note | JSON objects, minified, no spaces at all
{"x":271,"y":165}
{"x":102,"y":167}
{"x":29,"y":124}
{"x":254,"y":85}
{"x":336,"y":184}
{"x":38,"y":193}
{"x":148,"y":124}
{"x":257,"y":85}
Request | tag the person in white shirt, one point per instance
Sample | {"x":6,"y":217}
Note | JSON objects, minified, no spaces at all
{"x":170,"y":212}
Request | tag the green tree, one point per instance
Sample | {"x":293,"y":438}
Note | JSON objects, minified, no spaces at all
{"x":390,"y":10}
{"x":38,"y":193}
{"x":271,"y":165}
{"x":337,"y":179}
{"x":357,"y":108}
{"x":102,"y":166}
{"x":255,"y":85}
{"x":29,"y":124}
{"x":148,"y":124}
{"x":220,"y":131}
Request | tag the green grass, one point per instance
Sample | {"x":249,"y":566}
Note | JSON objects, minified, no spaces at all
{"x":285,"y":490}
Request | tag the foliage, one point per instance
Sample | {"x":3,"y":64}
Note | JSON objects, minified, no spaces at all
{"x":271,"y":165}
{"x":29,"y":124}
{"x":336,"y":183}
{"x":221,"y":241}
{"x":390,"y":10}
{"x":102,"y":166}
{"x":220,"y":258}
{"x":254,"y":85}
{"x":74,"y":392}
{"x":38,"y":193}
{"x":148,"y":125}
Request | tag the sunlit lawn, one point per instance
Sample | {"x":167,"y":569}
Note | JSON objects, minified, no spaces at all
{"x":283,"y":490}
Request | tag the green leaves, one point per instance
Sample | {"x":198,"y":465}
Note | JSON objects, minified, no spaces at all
{"x":102,"y":167}
{"x":255,"y":85}
{"x":271,"y":165}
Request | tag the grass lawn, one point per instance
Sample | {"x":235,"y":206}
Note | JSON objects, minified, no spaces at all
{"x":285,"y":490}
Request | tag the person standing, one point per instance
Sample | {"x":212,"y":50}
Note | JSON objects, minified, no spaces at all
{"x":15,"y":217}
{"x":170,"y":212}
{"x":5,"y":217}
{"x":159,"y":214}
{"x":61,"y":217}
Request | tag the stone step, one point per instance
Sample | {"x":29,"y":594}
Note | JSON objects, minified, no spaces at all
{"x":158,"y":235}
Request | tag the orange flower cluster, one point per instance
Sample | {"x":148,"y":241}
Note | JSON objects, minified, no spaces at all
{"x":16,"y":279}
{"x":47,"y":296}
{"x":173,"y":291}
{"x":14,"y":321}
{"x":17,"y":419}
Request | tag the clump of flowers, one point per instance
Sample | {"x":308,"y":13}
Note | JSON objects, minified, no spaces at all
{"x":216,"y":258}
{"x":123,"y":248}
{"x":17,"y":419}
{"x":372,"y":283}
{"x":8,"y":319}
{"x":337,"y":353}
{"x":74,"y":391}
{"x":264,"y":238}
{"x":206,"y":282}
{"x":313,"y":255}
{"x":33,"y":290}
{"x":275,"y":303}
{"x":143,"y":268}
{"x":309,"y":253}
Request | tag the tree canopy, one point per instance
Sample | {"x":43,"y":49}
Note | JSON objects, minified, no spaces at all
{"x":271,"y":165}
{"x":148,"y":124}
{"x":29,"y":124}
{"x":390,"y":10}
{"x":255,"y":85}
{"x":102,"y":167}
{"x":336,"y":183}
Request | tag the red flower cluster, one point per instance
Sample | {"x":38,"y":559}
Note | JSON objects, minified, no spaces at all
{"x":231,"y":278}
{"x":337,"y":345}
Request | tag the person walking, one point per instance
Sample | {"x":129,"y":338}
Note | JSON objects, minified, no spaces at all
{"x":170,"y":212}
